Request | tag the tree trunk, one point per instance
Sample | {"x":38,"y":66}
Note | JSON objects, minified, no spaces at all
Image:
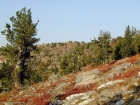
{"x":17,"y":82}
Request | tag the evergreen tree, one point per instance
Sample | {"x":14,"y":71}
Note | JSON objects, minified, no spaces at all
{"x":6,"y":74}
{"x":127,"y":45}
{"x":116,"y":49}
{"x":102,"y":48}
{"x":127,"y":48}
{"x":136,"y":43}
{"x":21,"y":37}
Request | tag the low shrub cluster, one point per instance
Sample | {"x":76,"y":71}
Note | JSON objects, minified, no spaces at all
{"x":4,"y":97}
{"x":130,"y":73}
{"x":79,"y":89}
{"x":41,"y":100}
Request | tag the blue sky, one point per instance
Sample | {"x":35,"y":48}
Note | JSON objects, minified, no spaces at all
{"x":75,"y":20}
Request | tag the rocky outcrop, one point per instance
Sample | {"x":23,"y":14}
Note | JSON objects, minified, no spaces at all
{"x":87,"y":87}
{"x":81,"y":98}
{"x":88,"y":77}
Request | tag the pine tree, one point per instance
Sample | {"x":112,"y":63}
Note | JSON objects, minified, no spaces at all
{"x":102,"y":48}
{"x":116,"y":49}
{"x":21,"y":39}
{"x":136,"y":43}
{"x":127,"y":48}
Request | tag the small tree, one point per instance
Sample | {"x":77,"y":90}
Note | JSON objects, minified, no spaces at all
{"x":21,"y":37}
{"x":136,"y":43}
{"x":102,"y":47}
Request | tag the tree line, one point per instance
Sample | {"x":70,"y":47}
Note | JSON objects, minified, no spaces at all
{"x":102,"y":50}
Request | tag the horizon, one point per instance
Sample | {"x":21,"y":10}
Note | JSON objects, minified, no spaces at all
{"x":63,"y":20}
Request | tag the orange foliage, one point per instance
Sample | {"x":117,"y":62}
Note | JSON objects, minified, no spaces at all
{"x":130,"y":73}
{"x":24,"y":99}
{"x":15,"y":92}
{"x":4,"y":97}
{"x":72,"y":77}
{"x":52,"y":85}
{"x":105,"y":68}
{"x":69,"y":87}
{"x":41,"y":90}
{"x":134,"y":58}
{"x":41,"y":100}
{"x":102,"y":68}
{"x":99,"y":66}
{"x":36,"y":85}
{"x":88,"y":68}
{"x":79,"y":89}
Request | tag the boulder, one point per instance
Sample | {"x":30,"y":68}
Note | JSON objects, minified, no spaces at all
{"x":86,"y":101}
{"x":109,"y":83}
{"x":119,"y":69}
{"x":57,"y":102}
{"x":121,"y":102}
{"x":105,"y":95}
{"x":80,"y":99}
{"x":103,"y":100}
{"x":88,"y":77}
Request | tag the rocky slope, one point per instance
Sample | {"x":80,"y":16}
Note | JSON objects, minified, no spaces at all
{"x":116,"y":83}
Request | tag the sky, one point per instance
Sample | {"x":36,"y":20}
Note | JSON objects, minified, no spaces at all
{"x":74,"y":20}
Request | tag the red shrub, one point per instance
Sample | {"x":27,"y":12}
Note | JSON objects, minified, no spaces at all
{"x":88,"y":68}
{"x":79,"y":89}
{"x":41,"y":100}
{"x":99,"y":66}
{"x":134,"y":58}
{"x":105,"y":68}
{"x":42,"y":90}
{"x":4,"y":97}
{"x":52,"y":85}
{"x":117,"y":76}
{"x":24,"y":99}
{"x":69,"y":87}
{"x":14,"y":92}
{"x":130,"y":73}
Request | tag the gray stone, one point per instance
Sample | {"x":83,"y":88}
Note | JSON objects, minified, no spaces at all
{"x":121,"y":102}
{"x":85,"y":78}
{"x":103,"y":99}
{"x":57,"y":102}
{"x":117,"y":70}
{"x":106,"y":93}
{"x":87,"y":101}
